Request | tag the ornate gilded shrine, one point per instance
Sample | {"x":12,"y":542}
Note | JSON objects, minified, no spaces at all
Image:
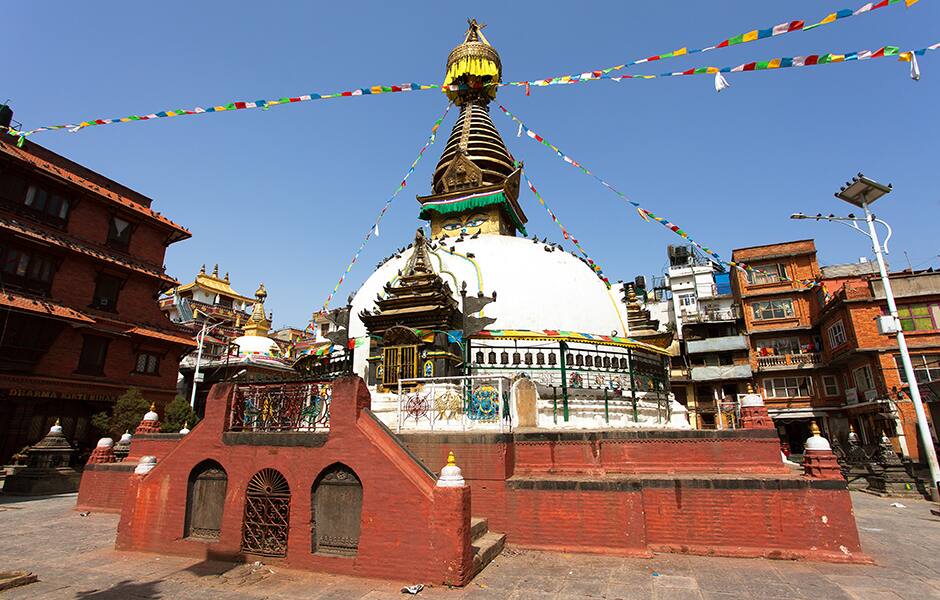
{"x":409,"y":331}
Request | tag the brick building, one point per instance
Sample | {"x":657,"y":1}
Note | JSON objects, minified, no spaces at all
{"x":81,"y":268}
{"x":780,"y":314}
{"x":870,"y":376}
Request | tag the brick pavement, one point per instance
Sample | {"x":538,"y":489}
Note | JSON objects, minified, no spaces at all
{"x":73,"y":557}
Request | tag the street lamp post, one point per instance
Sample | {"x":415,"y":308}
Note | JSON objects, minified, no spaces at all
{"x":861,"y":192}
{"x":202,"y":340}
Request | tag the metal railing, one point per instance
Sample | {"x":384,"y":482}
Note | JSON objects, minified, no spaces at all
{"x":454,"y":402}
{"x":784,"y":361}
{"x":281,"y":407}
{"x":706,"y":315}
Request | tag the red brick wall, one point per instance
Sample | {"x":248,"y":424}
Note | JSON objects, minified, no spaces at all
{"x":103,"y":486}
{"x":579,"y":520}
{"x":776,"y":523}
{"x":411,"y":530}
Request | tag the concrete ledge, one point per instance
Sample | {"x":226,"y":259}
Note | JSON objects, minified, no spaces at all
{"x":120,"y":466}
{"x":274,"y":438}
{"x":634,"y":484}
{"x":643,"y":434}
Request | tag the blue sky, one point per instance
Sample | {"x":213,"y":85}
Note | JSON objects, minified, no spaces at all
{"x":285,"y":196}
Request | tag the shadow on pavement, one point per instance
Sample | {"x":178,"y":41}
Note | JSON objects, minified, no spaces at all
{"x":123,"y":590}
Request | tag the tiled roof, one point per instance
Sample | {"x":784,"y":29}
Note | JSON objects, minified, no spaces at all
{"x":180,"y":232}
{"x":68,"y":243}
{"x":162,"y":335}
{"x":42,"y":306}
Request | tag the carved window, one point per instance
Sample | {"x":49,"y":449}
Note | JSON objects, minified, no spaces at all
{"x":267,"y":514}
{"x":205,"y":500}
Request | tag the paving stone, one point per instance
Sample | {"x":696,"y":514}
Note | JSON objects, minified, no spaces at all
{"x":675,"y":581}
{"x":74,"y":558}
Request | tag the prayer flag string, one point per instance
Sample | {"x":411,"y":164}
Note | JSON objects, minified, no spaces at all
{"x":753,"y":35}
{"x":239,"y":105}
{"x":645,"y":214}
{"x":750,"y":36}
{"x":567,"y":235}
{"x":375,"y":225}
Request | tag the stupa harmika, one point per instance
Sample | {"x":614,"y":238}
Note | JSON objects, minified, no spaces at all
{"x":473,"y":290}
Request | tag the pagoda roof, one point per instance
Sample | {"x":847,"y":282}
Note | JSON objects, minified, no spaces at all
{"x":214,"y":284}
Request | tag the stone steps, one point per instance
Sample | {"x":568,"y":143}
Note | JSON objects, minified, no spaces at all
{"x":486,"y":544}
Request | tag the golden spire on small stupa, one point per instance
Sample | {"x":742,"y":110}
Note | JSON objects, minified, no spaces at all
{"x":258,"y":323}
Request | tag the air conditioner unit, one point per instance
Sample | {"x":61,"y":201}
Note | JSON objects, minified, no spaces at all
{"x":888,"y":325}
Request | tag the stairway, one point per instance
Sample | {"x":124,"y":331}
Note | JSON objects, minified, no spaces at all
{"x":486,"y":544}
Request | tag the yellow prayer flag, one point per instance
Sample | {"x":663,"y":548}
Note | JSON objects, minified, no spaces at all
{"x":910,"y":2}
{"x":683,"y":51}
{"x":837,"y":57}
{"x":828,"y":19}
{"x":905,"y":56}
{"x":711,"y":70}
{"x":750,"y":36}
{"x":773,"y":63}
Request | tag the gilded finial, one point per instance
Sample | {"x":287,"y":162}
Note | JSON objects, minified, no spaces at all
{"x":58,"y":423}
{"x":451,"y":459}
{"x":215,"y":270}
{"x":261,"y":293}
{"x":226,"y":277}
{"x":202,"y":270}
{"x":750,"y":388}
{"x":185,"y":424}
{"x":851,"y":428}
{"x":153,"y":407}
{"x":814,"y":429}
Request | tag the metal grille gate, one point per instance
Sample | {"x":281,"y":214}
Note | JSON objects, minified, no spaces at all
{"x":267,"y":514}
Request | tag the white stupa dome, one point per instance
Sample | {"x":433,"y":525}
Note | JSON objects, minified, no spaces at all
{"x":536,"y":289}
{"x":256,"y":345}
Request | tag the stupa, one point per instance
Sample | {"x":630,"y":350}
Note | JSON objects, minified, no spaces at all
{"x":471,"y":296}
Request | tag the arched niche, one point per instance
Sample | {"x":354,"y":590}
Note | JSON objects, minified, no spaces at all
{"x":336,"y":505}
{"x":205,"y":500}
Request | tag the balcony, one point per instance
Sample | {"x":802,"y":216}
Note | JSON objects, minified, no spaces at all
{"x":717,"y":344}
{"x":786,"y":362}
{"x":713,"y":315}
{"x":721,"y":372}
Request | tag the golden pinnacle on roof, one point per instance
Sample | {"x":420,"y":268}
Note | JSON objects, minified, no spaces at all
{"x":814,"y":429}
{"x":451,"y":459}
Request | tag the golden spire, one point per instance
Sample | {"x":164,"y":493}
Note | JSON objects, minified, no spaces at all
{"x":258,"y":323}
{"x":814,"y":429}
{"x":153,"y":407}
{"x":474,"y":66}
{"x":215,"y":271}
{"x":202,"y":270}
{"x":451,"y":459}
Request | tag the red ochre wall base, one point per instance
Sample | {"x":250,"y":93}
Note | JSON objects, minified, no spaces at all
{"x":626,"y":493}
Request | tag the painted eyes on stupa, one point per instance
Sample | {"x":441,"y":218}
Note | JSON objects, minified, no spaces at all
{"x":453,"y":226}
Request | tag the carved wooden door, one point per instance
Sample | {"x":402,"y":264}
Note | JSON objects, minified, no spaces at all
{"x":206,"y":501}
{"x":337,"y":512}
